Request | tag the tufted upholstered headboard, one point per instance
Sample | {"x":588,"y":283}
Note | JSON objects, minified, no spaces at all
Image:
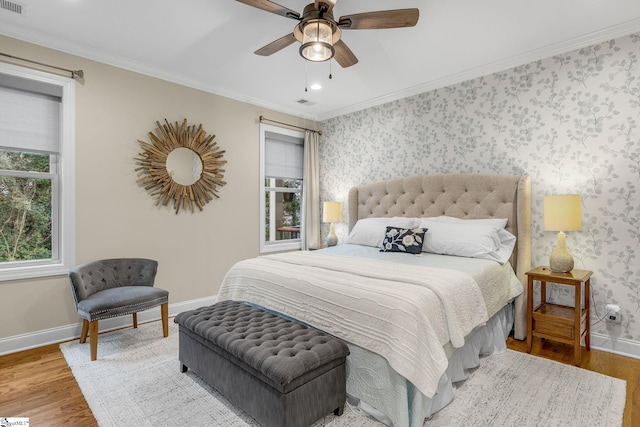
{"x":459,"y":195}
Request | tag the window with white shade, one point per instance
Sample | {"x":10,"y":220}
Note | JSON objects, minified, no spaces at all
{"x":281,"y":178}
{"x":36,"y":173}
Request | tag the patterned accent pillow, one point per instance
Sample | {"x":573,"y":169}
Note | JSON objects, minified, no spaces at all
{"x":407,"y":240}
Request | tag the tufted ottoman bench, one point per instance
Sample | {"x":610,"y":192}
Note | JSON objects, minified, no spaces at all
{"x":278,"y":371}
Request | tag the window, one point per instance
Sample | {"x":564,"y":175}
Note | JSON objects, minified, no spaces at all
{"x":36,"y":173}
{"x":281,"y":178}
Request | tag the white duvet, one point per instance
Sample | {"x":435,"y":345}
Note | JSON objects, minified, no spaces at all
{"x":405,"y":313}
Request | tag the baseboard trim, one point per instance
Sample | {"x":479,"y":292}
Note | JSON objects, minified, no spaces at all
{"x":620,"y":346}
{"x":44,"y":337}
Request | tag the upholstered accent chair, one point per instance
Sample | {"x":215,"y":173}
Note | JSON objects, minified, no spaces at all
{"x":115,"y":287}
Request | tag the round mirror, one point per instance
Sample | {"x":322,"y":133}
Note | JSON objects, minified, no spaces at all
{"x":184,"y":166}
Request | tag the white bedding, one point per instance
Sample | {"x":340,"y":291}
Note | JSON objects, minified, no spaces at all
{"x":498,"y":283}
{"x":385,"y":307}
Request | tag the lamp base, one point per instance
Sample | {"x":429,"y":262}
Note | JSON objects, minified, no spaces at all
{"x":561,"y":260}
{"x":332,"y":239}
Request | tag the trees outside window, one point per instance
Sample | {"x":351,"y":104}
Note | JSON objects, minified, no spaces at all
{"x":283,"y":207}
{"x":25,"y":207}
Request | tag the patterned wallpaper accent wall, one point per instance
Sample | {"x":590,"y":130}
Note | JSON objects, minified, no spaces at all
{"x":570,"y":122}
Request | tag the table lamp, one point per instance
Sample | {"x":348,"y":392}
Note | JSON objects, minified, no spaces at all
{"x":331,"y":214}
{"x":562,"y":213}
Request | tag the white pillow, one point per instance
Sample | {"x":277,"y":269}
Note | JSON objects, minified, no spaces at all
{"x":497,"y":222}
{"x":371,"y":231}
{"x":473,"y":240}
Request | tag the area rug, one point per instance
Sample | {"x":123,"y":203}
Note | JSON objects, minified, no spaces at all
{"x":137,"y":381}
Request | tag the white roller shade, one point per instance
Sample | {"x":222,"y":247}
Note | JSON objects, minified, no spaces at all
{"x":29,"y":121}
{"x":283,"y":157}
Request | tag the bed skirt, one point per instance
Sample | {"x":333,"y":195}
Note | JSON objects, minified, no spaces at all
{"x":395,"y":401}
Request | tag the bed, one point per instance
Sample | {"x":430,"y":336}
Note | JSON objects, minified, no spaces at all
{"x":411,"y":334}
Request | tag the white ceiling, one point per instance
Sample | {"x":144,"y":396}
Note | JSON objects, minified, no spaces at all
{"x":209,"y":44}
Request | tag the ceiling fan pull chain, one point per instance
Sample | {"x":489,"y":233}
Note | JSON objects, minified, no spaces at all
{"x":306,"y":72}
{"x":331,"y":69}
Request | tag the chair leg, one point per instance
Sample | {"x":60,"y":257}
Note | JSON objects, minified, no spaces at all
{"x":93,"y":339}
{"x":164,"y":312}
{"x":135,"y":320}
{"x":85,"y":331}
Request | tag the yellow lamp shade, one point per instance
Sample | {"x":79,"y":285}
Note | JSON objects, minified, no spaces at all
{"x":562,"y":213}
{"x":331,"y":212}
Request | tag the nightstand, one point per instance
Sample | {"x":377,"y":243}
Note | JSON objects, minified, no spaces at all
{"x":558,"y":322}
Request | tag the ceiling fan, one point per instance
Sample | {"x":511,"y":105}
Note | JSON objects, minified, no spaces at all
{"x":320,"y":34}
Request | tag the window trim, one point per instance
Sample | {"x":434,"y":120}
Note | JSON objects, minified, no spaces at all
{"x":63,"y":215}
{"x":285,"y":245}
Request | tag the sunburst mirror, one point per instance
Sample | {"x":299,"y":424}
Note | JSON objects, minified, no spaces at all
{"x":181,"y":165}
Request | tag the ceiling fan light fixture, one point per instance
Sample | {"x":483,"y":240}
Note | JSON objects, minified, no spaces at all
{"x":319,"y":33}
{"x":317,"y":40}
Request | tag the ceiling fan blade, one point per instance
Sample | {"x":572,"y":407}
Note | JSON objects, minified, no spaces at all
{"x":275,"y":46}
{"x":272,"y":7}
{"x":343,"y":55}
{"x":397,"y":18}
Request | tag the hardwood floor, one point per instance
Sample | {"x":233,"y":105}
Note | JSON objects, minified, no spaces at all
{"x":39,"y":385}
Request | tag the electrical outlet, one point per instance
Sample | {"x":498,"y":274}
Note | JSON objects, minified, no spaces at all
{"x":614,"y":317}
{"x":613,"y":313}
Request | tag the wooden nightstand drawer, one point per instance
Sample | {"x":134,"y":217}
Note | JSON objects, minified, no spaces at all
{"x":557,"y":321}
{"x":552,"y":329}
